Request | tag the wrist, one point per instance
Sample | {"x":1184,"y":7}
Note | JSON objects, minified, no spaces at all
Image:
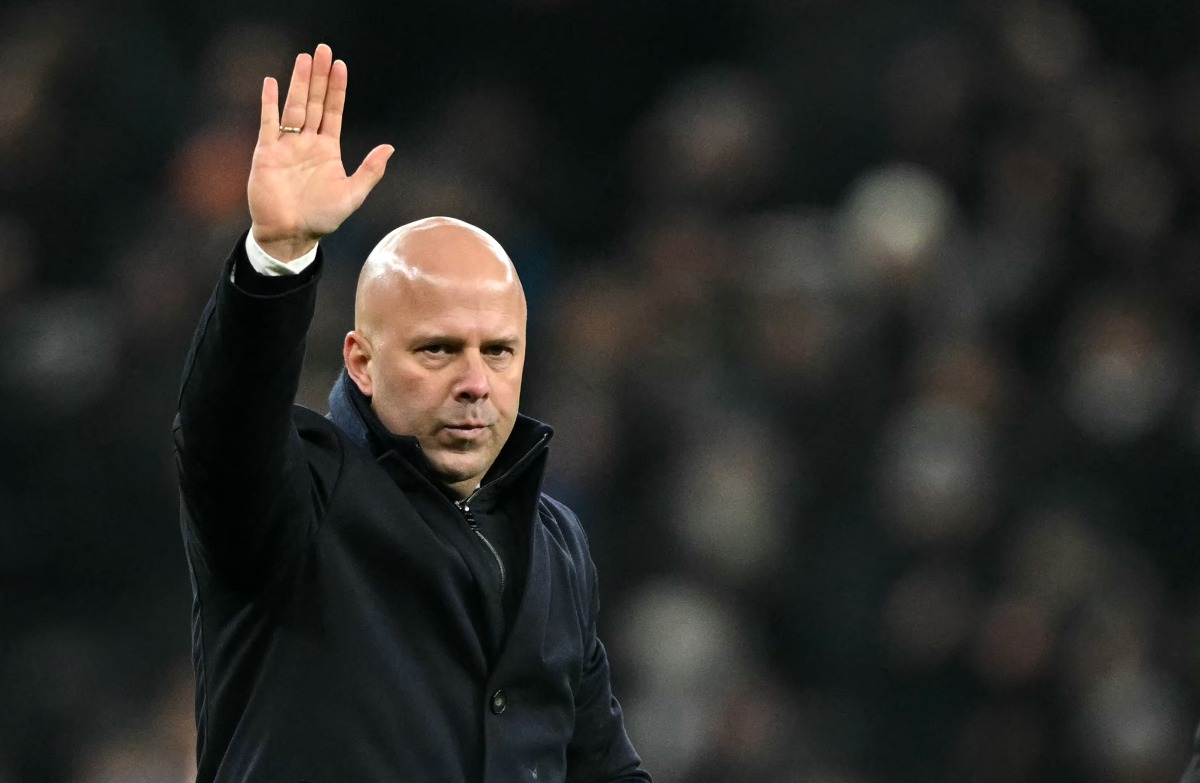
{"x":284,"y":249}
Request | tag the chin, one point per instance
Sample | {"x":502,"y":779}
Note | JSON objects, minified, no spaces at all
{"x":453,"y":471}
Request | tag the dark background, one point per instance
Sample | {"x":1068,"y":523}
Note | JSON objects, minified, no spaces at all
{"x":868,"y":329}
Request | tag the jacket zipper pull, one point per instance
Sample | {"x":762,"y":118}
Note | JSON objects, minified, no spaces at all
{"x":467,"y":515}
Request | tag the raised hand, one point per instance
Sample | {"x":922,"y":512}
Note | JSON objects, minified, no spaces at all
{"x":298,"y":189}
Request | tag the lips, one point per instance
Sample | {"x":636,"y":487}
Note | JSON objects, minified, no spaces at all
{"x":471,"y":431}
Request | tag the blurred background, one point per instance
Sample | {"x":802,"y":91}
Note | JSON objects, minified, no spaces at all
{"x":867,"y":327}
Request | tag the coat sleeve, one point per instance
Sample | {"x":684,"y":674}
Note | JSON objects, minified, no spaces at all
{"x":1192,"y":773}
{"x":600,"y":751}
{"x":249,"y":497}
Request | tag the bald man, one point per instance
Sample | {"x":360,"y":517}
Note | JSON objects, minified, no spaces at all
{"x":382,"y":594}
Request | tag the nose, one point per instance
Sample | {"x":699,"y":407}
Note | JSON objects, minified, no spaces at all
{"x":473,"y":384}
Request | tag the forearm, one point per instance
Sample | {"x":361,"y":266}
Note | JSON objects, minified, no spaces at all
{"x":601,"y":751}
{"x":243,"y":369}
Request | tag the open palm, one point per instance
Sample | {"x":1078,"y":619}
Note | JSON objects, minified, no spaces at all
{"x":299,"y":190}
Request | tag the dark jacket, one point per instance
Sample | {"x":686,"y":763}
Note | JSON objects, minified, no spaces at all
{"x":1192,"y":773}
{"x":347,"y":624}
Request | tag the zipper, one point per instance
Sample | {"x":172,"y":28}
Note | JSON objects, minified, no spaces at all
{"x":467,"y":515}
{"x":465,"y":508}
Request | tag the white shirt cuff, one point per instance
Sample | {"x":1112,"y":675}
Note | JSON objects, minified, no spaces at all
{"x":273,"y":267}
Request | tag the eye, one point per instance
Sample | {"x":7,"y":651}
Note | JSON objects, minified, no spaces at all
{"x":497,"y":350}
{"x":433,"y":349}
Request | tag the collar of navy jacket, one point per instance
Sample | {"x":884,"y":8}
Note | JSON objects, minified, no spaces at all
{"x":351,"y":411}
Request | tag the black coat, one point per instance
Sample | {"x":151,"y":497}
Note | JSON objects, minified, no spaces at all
{"x":1192,"y":773}
{"x":347,"y":625}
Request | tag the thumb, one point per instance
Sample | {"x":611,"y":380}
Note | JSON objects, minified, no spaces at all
{"x":370,"y":171}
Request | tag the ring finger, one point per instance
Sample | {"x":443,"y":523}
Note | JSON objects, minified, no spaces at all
{"x":297,"y":95}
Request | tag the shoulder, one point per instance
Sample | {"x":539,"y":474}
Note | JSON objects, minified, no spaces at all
{"x":324,"y":444}
{"x":315,"y":428}
{"x":558,"y":513}
{"x":308,"y":420}
{"x":564,"y":525}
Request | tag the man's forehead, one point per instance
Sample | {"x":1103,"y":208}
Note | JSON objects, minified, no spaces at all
{"x":484,"y":321}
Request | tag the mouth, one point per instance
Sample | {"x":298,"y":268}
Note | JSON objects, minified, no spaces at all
{"x":468,"y":430}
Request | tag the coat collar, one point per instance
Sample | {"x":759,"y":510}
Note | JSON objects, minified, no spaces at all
{"x":351,"y":411}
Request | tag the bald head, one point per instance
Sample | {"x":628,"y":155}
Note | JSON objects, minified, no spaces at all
{"x":433,"y":255}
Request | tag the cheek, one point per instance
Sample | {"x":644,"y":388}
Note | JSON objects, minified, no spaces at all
{"x":400,"y":377}
{"x":506,"y":392}
{"x":406,"y":397}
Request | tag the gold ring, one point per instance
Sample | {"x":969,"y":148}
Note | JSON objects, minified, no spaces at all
{"x":286,"y":129}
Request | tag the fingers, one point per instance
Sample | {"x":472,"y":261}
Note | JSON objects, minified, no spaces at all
{"x":295,"y":107}
{"x":370,"y":172}
{"x":322,"y":60}
{"x":316,"y":95}
{"x":268,"y":126}
{"x":335,"y":101}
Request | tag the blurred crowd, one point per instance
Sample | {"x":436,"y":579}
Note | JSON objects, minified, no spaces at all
{"x":865,"y":326}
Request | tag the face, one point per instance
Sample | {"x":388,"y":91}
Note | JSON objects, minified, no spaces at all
{"x":442,"y":358}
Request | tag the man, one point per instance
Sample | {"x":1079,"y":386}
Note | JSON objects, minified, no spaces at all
{"x":383,"y":594}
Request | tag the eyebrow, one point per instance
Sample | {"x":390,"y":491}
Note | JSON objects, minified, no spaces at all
{"x":435,"y":337}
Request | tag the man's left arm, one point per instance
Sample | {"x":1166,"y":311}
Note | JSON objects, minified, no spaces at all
{"x":1192,"y":773}
{"x":600,"y":751}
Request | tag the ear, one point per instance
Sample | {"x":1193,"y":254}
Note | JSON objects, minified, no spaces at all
{"x":357,"y":353}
